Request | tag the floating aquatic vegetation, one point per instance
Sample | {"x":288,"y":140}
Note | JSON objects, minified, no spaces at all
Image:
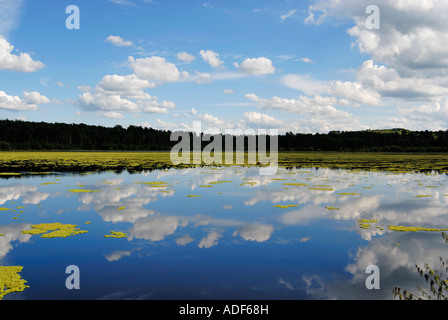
{"x":321,"y":189}
{"x":349,"y":194}
{"x":249,"y":183}
{"x":219,"y":182}
{"x":294,"y":184}
{"x":11,"y":281}
{"x":121,"y":208}
{"x":47,"y":183}
{"x":285,"y":206}
{"x":4,"y":209}
{"x":368,"y":221}
{"x":365,"y":223}
{"x":332,"y":208}
{"x":58,"y":230}
{"x":205,"y":186}
{"x":422,"y":196}
{"x":116,"y":234}
{"x":82,"y":190}
{"x":193,"y":196}
{"x":413,"y":229}
{"x":156,"y":184}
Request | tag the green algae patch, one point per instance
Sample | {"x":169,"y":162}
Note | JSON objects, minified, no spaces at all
{"x":286,"y":206}
{"x":332,"y":208}
{"x":11,"y":281}
{"x":82,"y":190}
{"x":193,"y":196}
{"x":413,"y":229}
{"x":294,"y":184}
{"x":4,"y":209}
{"x":48,"y":183}
{"x":321,"y":189}
{"x":219,"y":182}
{"x":249,"y":183}
{"x":55,"y":230}
{"x":349,"y":194}
{"x":121,"y":208}
{"x":422,"y":196}
{"x":365,"y":223}
{"x":116,"y":234}
{"x":368,"y":221}
{"x":155,"y":184}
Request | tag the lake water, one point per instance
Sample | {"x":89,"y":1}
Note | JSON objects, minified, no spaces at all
{"x":216,"y":233}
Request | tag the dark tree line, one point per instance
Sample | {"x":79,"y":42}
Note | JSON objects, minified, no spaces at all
{"x":25,"y":135}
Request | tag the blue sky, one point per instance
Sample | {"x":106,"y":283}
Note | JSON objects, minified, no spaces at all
{"x":301,"y":66}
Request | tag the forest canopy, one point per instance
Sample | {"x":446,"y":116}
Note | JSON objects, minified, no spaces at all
{"x":16,"y":135}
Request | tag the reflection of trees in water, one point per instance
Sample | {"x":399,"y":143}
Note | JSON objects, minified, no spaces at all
{"x":437,"y":279}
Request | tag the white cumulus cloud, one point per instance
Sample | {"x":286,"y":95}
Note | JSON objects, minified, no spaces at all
{"x":211,"y":57}
{"x":12,"y":62}
{"x":118,"y":41}
{"x":256,"y":66}
{"x":157,"y":69}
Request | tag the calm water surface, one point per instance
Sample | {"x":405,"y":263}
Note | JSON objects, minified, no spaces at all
{"x":216,"y":233}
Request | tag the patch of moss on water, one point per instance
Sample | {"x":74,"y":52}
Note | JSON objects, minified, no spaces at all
{"x":219,"y":182}
{"x":155,"y":184}
{"x":414,"y":229}
{"x":365,"y":223}
{"x":332,"y":208}
{"x":11,"y":281}
{"x":116,"y":234}
{"x":55,"y":230}
{"x":321,"y":189}
{"x":250,"y":183}
{"x":294,"y":184}
{"x":121,"y":208}
{"x":82,"y":190}
{"x":349,"y":194}
{"x":193,"y":196}
{"x":285,"y":206}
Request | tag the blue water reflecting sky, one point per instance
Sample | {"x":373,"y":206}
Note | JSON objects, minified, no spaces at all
{"x":215,"y":233}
